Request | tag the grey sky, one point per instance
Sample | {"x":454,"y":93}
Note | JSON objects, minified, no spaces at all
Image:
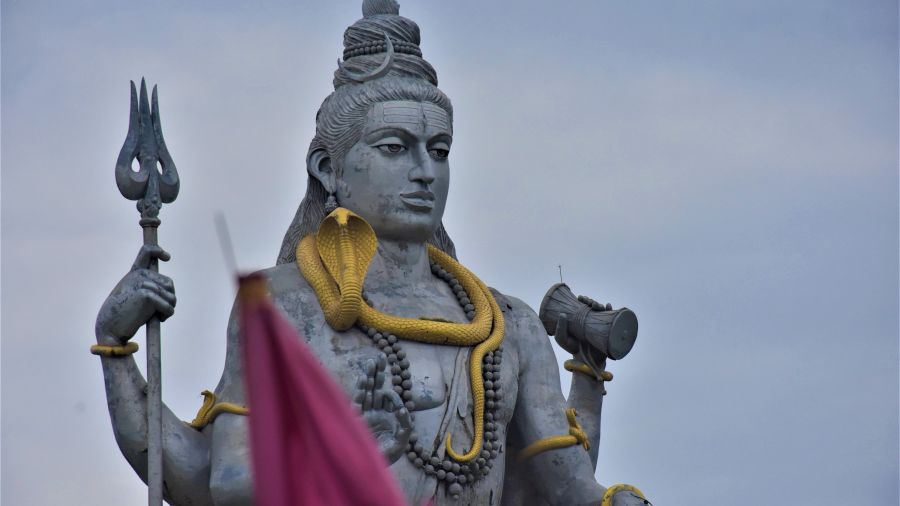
{"x":728,"y":170}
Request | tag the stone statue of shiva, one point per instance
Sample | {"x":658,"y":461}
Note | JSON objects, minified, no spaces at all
{"x":458,"y":382}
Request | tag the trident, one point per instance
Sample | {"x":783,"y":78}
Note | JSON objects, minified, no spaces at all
{"x":154,"y":184}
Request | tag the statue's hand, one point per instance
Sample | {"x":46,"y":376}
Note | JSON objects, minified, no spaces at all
{"x":627,"y":498}
{"x":563,"y":339}
{"x":596,"y":306}
{"x":582,"y":351}
{"x":383,"y":410}
{"x":141,"y":294}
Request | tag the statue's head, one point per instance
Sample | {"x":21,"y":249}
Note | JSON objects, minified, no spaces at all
{"x":382,"y":137}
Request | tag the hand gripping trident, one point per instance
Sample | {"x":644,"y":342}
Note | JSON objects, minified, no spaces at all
{"x":151,"y":186}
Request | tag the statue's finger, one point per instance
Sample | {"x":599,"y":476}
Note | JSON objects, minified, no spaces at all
{"x":148,"y":253}
{"x":367,"y":403}
{"x":390,"y":401}
{"x":163,"y":309}
{"x":370,"y":377}
{"x":162,"y":292}
{"x":160,"y":279}
{"x":378,"y":399}
{"x":404,"y":419}
{"x":563,"y":339}
{"x":562,"y":327}
{"x":381,"y":365}
{"x":395,"y":398}
{"x":379,"y":379}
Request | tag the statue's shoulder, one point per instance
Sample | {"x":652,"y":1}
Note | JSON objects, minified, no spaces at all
{"x":525,"y":333}
{"x":521,"y":320}
{"x":512,"y":306}
{"x":291,"y":292}
{"x":285,"y":279}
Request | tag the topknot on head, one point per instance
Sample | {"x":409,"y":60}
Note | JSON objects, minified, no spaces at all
{"x":380,"y":7}
{"x":383,"y":43}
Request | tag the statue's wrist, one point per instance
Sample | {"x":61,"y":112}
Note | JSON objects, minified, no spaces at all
{"x":577,"y":366}
{"x":114,"y":351}
{"x":105,"y":339}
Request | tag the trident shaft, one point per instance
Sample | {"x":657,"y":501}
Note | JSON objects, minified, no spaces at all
{"x":155,"y":183}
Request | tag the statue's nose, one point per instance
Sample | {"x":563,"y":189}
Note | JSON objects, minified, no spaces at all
{"x":424,"y":169}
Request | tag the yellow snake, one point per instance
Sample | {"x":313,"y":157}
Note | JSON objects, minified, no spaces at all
{"x":335,"y":261}
{"x":575,"y":436}
{"x":212,"y":408}
{"x":615,"y":489}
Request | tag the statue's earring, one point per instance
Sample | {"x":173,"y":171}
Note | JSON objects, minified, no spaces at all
{"x":330,"y":204}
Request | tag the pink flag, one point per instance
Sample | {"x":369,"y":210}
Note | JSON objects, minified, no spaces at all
{"x":309,"y":446}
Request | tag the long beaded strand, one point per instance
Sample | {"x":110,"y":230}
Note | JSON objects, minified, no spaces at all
{"x":452,"y":474}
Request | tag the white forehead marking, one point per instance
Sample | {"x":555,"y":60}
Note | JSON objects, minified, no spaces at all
{"x":403,"y":112}
{"x":436,"y":116}
{"x":415,"y":113}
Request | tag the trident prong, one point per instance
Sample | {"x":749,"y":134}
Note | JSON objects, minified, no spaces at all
{"x":150,"y":186}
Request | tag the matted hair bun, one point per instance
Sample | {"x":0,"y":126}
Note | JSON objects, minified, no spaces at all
{"x":365,"y":47}
{"x":375,"y":7}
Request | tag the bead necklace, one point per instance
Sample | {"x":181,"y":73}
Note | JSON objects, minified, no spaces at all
{"x":453,"y":474}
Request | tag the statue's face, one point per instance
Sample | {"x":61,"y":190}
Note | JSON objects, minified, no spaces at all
{"x":397,"y":176}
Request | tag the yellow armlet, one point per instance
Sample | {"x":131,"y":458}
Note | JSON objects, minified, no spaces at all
{"x":211,"y":409}
{"x":114,"y":351}
{"x":575,"y":436}
{"x":574,"y":366}
{"x":621,"y":487}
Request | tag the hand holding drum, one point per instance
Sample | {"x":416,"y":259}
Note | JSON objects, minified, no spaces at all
{"x":611,"y":332}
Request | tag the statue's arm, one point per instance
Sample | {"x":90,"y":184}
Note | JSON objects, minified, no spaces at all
{"x":586,"y":391}
{"x":588,"y":383}
{"x":559,"y":476}
{"x":586,"y":396}
{"x":139,"y":295}
{"x":185,"y":450}
{"x":231,"y":470}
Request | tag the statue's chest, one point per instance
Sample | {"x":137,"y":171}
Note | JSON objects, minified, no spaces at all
{"x":348,"y":355}
{"x":432,"y":369}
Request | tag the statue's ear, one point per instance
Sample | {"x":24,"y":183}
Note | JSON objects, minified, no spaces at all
{"x":318,"y":164}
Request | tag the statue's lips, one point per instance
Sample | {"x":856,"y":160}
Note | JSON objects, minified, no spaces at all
{"x":422,"y":200}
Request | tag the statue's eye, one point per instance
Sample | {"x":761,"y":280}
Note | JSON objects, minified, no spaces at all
{"x":392,"y":148}
{"x":439,"y":154}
